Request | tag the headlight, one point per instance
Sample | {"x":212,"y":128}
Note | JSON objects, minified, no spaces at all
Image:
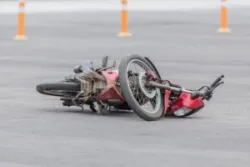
{"x":182,"y":111}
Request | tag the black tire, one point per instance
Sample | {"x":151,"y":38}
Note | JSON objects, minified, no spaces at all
{"x":128,"y":95}
{"x":59,"y":88}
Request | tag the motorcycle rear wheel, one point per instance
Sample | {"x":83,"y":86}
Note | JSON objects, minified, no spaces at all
{"x":129,"y":94}
{"x":59,"y":88}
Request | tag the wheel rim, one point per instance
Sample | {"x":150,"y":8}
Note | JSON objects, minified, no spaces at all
{"x":137,"y":87}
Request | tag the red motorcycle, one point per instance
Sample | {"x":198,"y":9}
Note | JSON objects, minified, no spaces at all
{"x":134,"y":85}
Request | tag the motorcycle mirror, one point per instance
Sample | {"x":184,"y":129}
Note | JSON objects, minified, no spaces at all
{"x":105,"y":61}
{"x":78,"y":69}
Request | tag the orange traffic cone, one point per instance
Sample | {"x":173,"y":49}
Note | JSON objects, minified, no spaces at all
{"x":21,"y":22}
{"x":124,"y":20}
{"x":223,"y":18}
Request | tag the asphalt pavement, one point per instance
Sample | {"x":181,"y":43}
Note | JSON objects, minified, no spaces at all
{"x":37,"y":131}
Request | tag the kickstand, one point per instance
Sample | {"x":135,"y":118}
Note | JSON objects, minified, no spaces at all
{"x":75,"y":98}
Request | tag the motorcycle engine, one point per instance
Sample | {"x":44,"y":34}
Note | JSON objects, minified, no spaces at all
{"x":92,"y":83}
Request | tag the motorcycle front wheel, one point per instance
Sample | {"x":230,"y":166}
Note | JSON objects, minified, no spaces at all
{"x":132,"y":82}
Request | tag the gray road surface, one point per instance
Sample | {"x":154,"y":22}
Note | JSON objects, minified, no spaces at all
{"x":36,"y":131}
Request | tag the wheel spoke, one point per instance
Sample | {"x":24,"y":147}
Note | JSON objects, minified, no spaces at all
{"x":139,"y":91}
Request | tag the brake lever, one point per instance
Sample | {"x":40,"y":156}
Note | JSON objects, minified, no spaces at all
{"x":208,"y":95}
{"x":203,"y":87}
{"x":209,"y":92}
{"x":217,"y":81}
{"x":218,"y":84}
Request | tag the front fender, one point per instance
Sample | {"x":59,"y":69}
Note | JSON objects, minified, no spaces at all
{"x":153,"y":66}
{"x":166,"y":100}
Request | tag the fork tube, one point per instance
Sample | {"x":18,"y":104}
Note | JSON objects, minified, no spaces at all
{"x":162,"y":86}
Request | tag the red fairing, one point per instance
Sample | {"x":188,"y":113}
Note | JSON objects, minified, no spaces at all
{"x":111,"y":76}
{"x":111,"y":92}
{"x":186,"y":101}
{"x":166,"y":100}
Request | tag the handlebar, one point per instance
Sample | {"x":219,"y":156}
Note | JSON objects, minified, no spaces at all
{"x":216,"y":81}
{"x":194,"y":93}
{"x":208,"y":94}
